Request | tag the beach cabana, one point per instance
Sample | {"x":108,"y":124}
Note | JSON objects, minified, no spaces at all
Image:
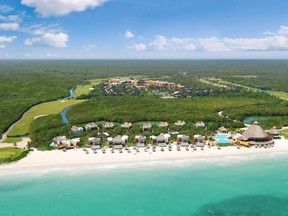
{"x":180,"y":123}
{"x":255,"y":136}
{"x":222,"y":129}
{"x":183,"y":140}
{"x":140,"y":141}
{"x":274,"y":133}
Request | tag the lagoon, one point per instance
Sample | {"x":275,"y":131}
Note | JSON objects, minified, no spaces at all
{"x":251,"y":119}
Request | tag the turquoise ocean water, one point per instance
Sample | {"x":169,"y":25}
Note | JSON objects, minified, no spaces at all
{"x":244,"y":185}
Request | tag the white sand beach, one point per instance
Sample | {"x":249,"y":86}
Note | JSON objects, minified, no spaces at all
{"x":37,"y":159}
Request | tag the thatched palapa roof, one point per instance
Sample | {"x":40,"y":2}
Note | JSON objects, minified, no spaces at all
{"x":274,"y":131}
{"x":254,"y":132}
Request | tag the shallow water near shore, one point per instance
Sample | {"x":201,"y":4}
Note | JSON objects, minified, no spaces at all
{"x":232,"y":186}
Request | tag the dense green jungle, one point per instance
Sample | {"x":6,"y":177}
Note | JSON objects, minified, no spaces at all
{"x":25,"y":83}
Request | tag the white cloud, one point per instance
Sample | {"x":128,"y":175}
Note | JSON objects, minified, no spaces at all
{"x":138,"y":47}
{"x":5,"y":39}
{"x":61,"y":7}
{"x":271,"y":42}
{"x":90,"y":47}
{"x":49,"y":39}
{"x":9,"y":26}
{"x":10,"y":18}
{"x":6,"y":8}
{"x":128,"y":35}
{"x":213,"y":44}
{"x":283,"y":30}
{"x":160,"y":42}
{"x":52,"y":55}
{"x":189,"y":47}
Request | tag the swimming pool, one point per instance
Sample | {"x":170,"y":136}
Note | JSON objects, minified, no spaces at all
{"x":223,"y":138}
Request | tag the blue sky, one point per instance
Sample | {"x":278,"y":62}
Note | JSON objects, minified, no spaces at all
{"x":117,"y":29}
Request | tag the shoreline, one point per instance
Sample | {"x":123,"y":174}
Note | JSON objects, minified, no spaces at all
{"x":77,"y":158}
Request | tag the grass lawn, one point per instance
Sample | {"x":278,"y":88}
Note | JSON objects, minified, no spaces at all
{"x":13,"y":140}
{"x":285,"y":133}
{"x":11,"y":154}
{"x":280,"y":94}
{"x":83,"y":90}
{"x":54,"y":107}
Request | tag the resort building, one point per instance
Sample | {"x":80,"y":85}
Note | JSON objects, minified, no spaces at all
{"x":140,"y":141}
{"x":91,"y":126}
{"x":163,"y":124}
{"x":180,"y":123}
{"x":76,"y":130}
{"x":200,"y":124}
{"x":117,"y":142}
{"x":109,"y":125}
{"x":103,"y":135}
{"x":273,"y":132}
{"x":199,"y":140}
{"x":161,"y":140}
{"x":146,"y":126}
{"x":255,"y":136}
{"x":127,"y":125}
{"x":222,"y":129}
{"x":183,"y":140}
{"x":94,"y":142}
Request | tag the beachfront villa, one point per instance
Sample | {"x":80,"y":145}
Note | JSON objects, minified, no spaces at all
{"x":162,"y":140}
{"x":180,"y":123}
{"x":61,"y":142}
{"x":222,"y":130}
{"x":163,"y":124}
{"x":274,"y":133}
{"x":94,"y":142}
{"x":146,"y":126}
{"x":109,"y":125}
{"x":255,"y":136}
{"x":183,"y":140}
{"x":127,"y":125}
{"x":91,"y":126}
{"x":117,"y":142}
{"x":199,"y":140}
{"x":103,"y":135}
{"x":76,"y":130}
{"x":140,"y":141}
{"x":200,"y":124}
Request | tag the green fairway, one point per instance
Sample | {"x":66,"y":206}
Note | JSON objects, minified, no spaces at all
{"x":280,"y":94}
{"x":11,"y":154}
{"x":285,"y":133}
{"x":44,"y":109}
{"x":83,"y":90}
{"x":13,"y":140}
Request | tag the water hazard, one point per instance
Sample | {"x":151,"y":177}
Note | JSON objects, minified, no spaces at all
{"x":63,"y":115}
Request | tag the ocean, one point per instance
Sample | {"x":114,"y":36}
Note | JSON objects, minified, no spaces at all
{"x":229,"y":186}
